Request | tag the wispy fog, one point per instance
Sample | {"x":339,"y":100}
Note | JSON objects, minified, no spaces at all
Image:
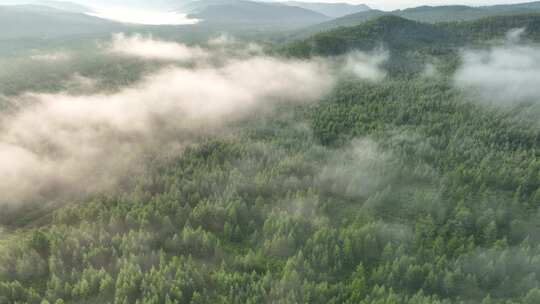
{"x":149,"y":48}
{"x":82,"y":143}
{"x":367,"y":66}
{"x":358,"y":171}
{"x":86,"y":139}
{"x":503,"y":75}
{"x":51,"y":57}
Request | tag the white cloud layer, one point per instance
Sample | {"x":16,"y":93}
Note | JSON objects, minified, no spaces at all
{"x":51,"y":57}
{"x":358,"y":171}
{"x":85,"y":143}
{"x":149,"y":48}
{"x":366,"y":66}
{"x":503,"y":75}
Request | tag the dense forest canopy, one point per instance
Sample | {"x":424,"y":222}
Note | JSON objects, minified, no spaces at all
{"x":390,"y":162}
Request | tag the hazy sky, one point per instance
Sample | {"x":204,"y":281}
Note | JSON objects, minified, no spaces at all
{"x":378,"y":4}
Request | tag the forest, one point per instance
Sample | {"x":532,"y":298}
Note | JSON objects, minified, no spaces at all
{"x":407,"y":170}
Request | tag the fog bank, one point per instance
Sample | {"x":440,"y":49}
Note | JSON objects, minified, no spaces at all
{"x":75,"y":144}
{"x":504,"y":75}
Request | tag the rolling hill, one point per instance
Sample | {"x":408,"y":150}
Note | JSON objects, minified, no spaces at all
{"x":34,"y":21}
{"x":412,"y":43}
{"x":334,"y":10}
{"x":429,"y":14}
{"x":243,"y":12}
{"x":401,"y":34}
{"x":392,"y":32}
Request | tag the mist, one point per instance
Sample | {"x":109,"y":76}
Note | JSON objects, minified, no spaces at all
{"x":72,"y":144}
{"x":507,"y":74}
{"x":358,"y":171}
{"x":366,"y":66}
{"x":150,"y":48}
{"x":51,"y":57}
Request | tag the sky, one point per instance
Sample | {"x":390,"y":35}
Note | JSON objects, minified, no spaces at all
{"x":401,"y":4}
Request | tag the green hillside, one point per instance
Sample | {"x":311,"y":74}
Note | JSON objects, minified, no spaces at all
{"x":390,"y":31}
{"x":334,"y":10}
{"x":429,"y":14}
{"x":251,"y":13}
{"x":411,"y":42}
{"x":32,"y":21}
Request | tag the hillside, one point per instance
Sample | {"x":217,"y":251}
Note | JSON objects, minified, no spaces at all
{"x":399,"y":34}
{"x":429,"y":14}
{"x":243,"y":12}
{"x":391,"y":32}
{"x":494,"y":28}
{"x":334,"y":10}
{"x":33,"y":21}
{"x":413,"y":44}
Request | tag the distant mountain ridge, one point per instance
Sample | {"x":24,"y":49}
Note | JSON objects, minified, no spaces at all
{"x":36,"y":21}
{"x":334,"y":10}
{"x":400,"y":35}
{"x":58,"y":19}
{"x":251,"y":12}
{"x":429,"y":14}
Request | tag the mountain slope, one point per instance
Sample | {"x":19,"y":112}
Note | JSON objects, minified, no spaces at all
{"x":334,"y":10}
{"x":391,"y":32}
{"x":33,"y":21}
{"x":413,"y":44}
{"x":401,"y":34}
{"x":430,"y":14}
{"x":493,"y":28}
{"x":252,"y":13}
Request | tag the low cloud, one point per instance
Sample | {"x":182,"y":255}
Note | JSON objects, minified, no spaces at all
{"x":223,"y":40}
{"x":63,"y":144}
{"x":358,"y":171}
{"x":229,"y":44}
{"x":515,"y":35}
{"x":81,"y":84}
{"x":503,"y":75}
{"x":430,"y":71}
{"x":366,"y":66}
{"x":149,"y":48}
{"x":51,"y":57}
{"x":83,"y":140}
{"x":377,"y":175}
